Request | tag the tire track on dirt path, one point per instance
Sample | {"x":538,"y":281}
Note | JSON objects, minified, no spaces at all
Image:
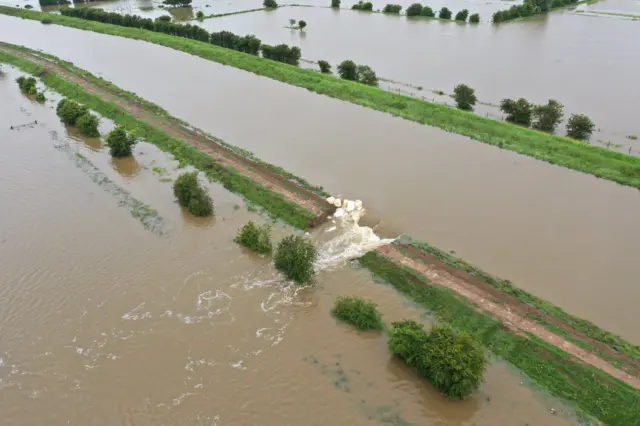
{"x":512,"y":320}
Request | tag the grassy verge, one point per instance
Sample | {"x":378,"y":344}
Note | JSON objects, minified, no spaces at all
{"x":581,"y":325}
{"x":591,"y":390}
{"x":319,"y":190}
{"x":273,"y":203}
{"x":607,"y":164}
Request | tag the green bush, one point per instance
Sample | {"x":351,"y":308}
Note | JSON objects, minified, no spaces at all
{"x":580,"y":127}
{"x":368,"y":6}
{"x":294,"y":258}
{"x":88,"y":125}
{"x":70,"y":111}
{"x":547,"y":117}
{"x":335,"y":4}
{"x":120,"y":143}
{"x":414,"y":10}
{"x":27,"y":85}
{"x":270,"y":4}
{"x":462,"y":15}
{"x":348,"y":70}
{"x":28,"y":6}
{"x":40,"y":97}
{"x":366,"y":75}
{"x":518,"y":112}
{"x":465,"y":97}
{"x":453,"y":362}
{"x":444,"y":13}
{"x":164,"y":18}
{"x":427,"y":11}
{"x":358,"y":312}
{"x":393,"y":9}
{"x":475,"y":18}
{"x":46,"y":21}
{"x":254,"y":237}
{"x":192,"y":196}
{"x":200,"y":15}
{"x":325,"y":67}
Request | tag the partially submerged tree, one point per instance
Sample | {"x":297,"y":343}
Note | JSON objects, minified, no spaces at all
{"x":40,"y":97}
{"x":366,"y":75}
{"x":444,"y":13}
{"x":518,"y":112}
{"x":270,"y":4}
{"x":368,"y":6}
{"x":120,"y":143}
{"x":580,"y":127}
{"x":27,"y":85}
{"x":88,"y":125}
{"x":547,"y":117}
{"x":358,"y":312}
{"x":462,"y":15}
{"x":393,"y":9}
{"x":325,"y":67}
{"x":474,"y":19}
{"x":414,"y":10}
{"x":70,"y":111}
{"x":335,"y":4}
{"x":427,"y":11}
{"x":465,"y":97}
{"x":254,"y":237}
{"x":302,"y":25}
{"x":192,"y":196}
{"x":200,"y":15}
{"x":294,"y":258}
{"x":347,"y":70}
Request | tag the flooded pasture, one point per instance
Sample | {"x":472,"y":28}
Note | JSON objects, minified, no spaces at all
{"x":106,"y":322}
{"x":555,"y":232}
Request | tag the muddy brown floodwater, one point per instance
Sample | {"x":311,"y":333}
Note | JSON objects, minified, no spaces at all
{"x":103,"y":322}
{"x":565,"y":236}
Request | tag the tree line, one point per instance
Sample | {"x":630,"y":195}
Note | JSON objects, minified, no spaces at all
{"x":247,"y":44}
{"x":524,"y":113}
{"x":416,"y":9}
{"x":529,"y":8}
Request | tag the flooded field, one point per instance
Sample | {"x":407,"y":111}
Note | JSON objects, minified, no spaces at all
{"x":555,"y":232}
{"x":106,"y":322}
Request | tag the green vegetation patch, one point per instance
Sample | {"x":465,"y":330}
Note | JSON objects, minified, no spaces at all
{"x":598,"y":161}
{"x":593,"y":391}
{"x":192,"y":196}
{"x":256,"y":238}
{"x":581,"y":325}
{"x":274,"y":204}
{"x":358,"y":312}
{"x":294,"y":258}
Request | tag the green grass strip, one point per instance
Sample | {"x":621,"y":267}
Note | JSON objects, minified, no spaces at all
{"x":603,"y":163}
{"x":591,"y":390}
{"x":581,"y":325}
{"x":274,"y":204}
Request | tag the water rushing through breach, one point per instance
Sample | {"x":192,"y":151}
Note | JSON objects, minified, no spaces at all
{"x":104,"y":322}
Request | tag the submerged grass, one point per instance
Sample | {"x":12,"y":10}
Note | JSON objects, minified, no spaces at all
{"x":358,"y":312}
{"x":274,"y":204}
{"x":600,"y":162}
{"x":591,"y":390}
{"x":581,"y":325}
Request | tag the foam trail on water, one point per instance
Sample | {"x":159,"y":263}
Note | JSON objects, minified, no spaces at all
{"x":352,"y":240}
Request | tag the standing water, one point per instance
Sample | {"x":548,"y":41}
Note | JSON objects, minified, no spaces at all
{"x":105,"y":322}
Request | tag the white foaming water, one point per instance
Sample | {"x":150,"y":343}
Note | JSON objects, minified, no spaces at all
{"x":352,"y":240}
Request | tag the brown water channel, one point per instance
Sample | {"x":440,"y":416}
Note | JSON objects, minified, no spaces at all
{"x":103,"y":322}
{"x":567,"y":237}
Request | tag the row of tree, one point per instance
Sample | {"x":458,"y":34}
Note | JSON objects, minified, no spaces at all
{"x":416,"y":9}
{"x":524,"y":113}
{"x":74,"y":114}
{"x":247,"y":44}
{"x":529,"y":8}
{"x":348,"y":70}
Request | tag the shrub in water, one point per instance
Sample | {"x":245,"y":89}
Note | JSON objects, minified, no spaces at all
{"x":392,"y":9}
{"x":88,"y":125}
{"x":200,"y":14}
{"x":368,"y":6}
{"x":427,"y":11}
{"x":453,"y":362}
{"x":358,"y":312}
{"x":257,"y":238}
{"x":192,"y":196}
{"x":70,"y":111}
{"x":445,"y":13}
{"x":270,"y":4}
{"x":46,"y":21}
{"x":325,"y":67}
{"x":120,"y":143}
{"x":294,"y":258}
{"x":580,"y":127}
{"x":475,"y":18}
{"x":40,"y":97}
{"x":465,"y":97}
{"x":414,"y":10}
{"x":27,"y":85}
{"x":335,"y":4}
{"x":462,"y":15}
